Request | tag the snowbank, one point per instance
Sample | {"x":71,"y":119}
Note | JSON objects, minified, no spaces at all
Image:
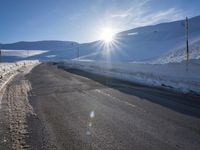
{"x":9,"y":69}
{"x":177,"y":76}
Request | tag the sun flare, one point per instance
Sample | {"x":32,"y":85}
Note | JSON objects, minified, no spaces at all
{"x":107,"y":34}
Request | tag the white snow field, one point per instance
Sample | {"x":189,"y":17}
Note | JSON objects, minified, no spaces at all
{"x":22,"y":53}
{"x":9,"y":70}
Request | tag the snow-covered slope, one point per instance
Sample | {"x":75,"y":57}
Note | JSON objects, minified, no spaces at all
{"x":145,"y":43}
{"x":139,"y":44}
{"x":180,"y":54}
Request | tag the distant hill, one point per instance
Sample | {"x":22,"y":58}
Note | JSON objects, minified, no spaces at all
{"x":39,"y":45}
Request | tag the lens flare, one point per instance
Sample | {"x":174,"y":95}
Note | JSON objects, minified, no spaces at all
{"x":107,"y":34}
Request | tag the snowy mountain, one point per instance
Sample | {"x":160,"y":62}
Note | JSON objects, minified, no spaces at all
{"x":139,"y":44}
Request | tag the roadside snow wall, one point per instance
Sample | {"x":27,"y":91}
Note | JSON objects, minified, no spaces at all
{"x":181,"y":77}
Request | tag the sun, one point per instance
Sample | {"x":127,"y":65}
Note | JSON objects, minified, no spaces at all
{"x":107,"y":34}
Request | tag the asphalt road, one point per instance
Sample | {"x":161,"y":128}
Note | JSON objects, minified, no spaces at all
{"x":75,"y":110}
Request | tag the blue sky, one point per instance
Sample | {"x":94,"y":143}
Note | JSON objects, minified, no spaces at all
{"x":81,"y":20}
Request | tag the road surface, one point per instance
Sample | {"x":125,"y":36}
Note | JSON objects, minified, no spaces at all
{"x":75,"y":110}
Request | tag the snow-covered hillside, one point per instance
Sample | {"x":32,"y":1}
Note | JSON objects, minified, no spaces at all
{"x":139,"y":44}
{"x":180,"y":54}
{"x":144,"y":43}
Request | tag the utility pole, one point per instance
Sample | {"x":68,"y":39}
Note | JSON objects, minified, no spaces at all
{"x":0,"y":56}
{"x":78,"y":53}
{"x":27,"y":53}
{"x":187,"y":45}
{"x":1,"y":76}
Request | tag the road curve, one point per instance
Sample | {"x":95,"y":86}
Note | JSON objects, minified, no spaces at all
{"x":82,"y":111}
{"x":75,"y":110}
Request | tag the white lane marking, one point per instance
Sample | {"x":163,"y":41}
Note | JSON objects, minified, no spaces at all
{"x":92,"y":114}
{"x":113,"y":97}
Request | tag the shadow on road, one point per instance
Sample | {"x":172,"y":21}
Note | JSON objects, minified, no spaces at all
{"x":188,"y":104}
